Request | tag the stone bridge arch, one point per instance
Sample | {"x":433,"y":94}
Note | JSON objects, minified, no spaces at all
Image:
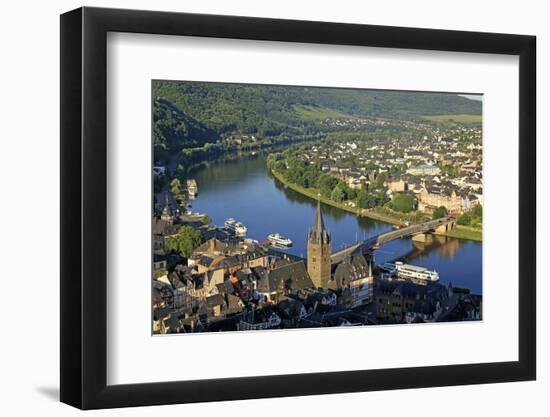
{"x":445,"y":228}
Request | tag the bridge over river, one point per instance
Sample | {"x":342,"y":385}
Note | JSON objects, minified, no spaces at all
{"x":437,"y":226}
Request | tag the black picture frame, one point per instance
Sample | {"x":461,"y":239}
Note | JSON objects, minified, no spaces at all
{"x":84,"y":207}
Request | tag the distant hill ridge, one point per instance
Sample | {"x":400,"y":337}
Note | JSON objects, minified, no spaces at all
{"x":189,"y":114}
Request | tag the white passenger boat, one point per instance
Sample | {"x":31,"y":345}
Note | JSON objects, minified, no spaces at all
{"x":236,"y":227}
{"x":192,"y":188}
{"x":387,"y":267}
{"x":279,"y":240}
{"x":406,"y":271}
{"x":416,"y":272}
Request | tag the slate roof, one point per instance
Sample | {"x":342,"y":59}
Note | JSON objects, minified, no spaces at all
{"x":161,"y":313}
{"x":229,"y":262}
{"x":293,"y":275}
{"x":215,"y":300}
{"x":174,"y":324}
{"x":234,"y":305}
{"x":157,"y":298}
{"x":353,"y":267}
{"x":290,"y":308}
{"x":318,"y":232}
{"x":206,"y":260}
{"x":164,"y":228}
{"x":226,"y":287}
{"x":212,"y":245}
{"x":427,"y":307}
{"x":175,"y":280}
{"x":406,"y":289}
{"x":264,"y":283}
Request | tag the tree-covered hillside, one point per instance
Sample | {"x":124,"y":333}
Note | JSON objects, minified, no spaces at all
{"x":190,"y":114}
{"x":174,"y":130}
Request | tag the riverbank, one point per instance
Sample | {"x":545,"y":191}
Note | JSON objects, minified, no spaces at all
{"x":460,"y":232}
{"x":191,"y":159}
{"x":466,"y":232}
{"x":314,"y":194}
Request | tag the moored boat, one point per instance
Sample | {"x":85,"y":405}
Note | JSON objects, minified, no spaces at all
{"x":236,"y":227}
{"x":192,"y":188}
{"x":279,"y":240}
{"x":413,"y":272}
{"x":387,"y":267}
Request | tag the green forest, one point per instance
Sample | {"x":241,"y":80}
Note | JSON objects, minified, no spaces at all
{"x":187,"y":116}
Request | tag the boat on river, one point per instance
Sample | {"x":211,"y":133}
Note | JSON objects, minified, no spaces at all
{"x":192,"y":188}
{"x":412,"y":272}
{"x":387,"y":267}
{"x":236,"y":227}
{"x":277,"y":239}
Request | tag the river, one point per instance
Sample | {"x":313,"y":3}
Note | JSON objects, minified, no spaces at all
{"x":244,"y":189}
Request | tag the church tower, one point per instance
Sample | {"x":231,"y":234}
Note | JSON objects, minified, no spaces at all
{"x":167,"y":214}
{"x":318,"y":252}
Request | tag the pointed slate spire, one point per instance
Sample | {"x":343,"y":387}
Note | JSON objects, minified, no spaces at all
{"x":318,"y":232}
{"x":319,"y":226}
{"x":166,"y":211}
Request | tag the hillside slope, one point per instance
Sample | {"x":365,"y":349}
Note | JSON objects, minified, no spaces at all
{"x":189,"y":114}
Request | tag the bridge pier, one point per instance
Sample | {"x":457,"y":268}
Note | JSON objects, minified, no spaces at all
{"x":444,"y":228}
{"x":422,"y":238}
{"x":420,"y":233}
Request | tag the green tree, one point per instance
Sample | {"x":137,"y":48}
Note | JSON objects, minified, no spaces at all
{"x":280,"y":166}
{"x":362,"y":199}
{"x":309,"y":179}
{"x":478,"y":211}
{"x":465,"y":219}
{"x":382,"y":198}
{"x":439,"y":212}
{"x":380,"y":180}
{"x":177,"y":190}
{"x":338,"y":194}
{"x":185,"y":241}
{"x":175,"y":186}
{"x":206,"y":219}
{"x":403,"y":202}
{"x":351,"y":193}
{"x":365,"y":200}
{"x":370,"y":166}
{"x":326,"y":184}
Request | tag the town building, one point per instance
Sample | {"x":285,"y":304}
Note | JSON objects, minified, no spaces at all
{"x":164,"y":226}
{"x":430,"y":199}
{"x":353,"y":278}
{"x":396,"y":185}
{"x":424,"y":170}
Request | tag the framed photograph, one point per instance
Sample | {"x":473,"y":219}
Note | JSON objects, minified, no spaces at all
{"x":258,"y":208}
